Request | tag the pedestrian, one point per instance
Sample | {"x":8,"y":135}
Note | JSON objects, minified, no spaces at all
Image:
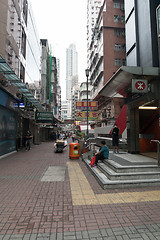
{"x":28,"y":137}
{"x":115,"y":138}
{"x":62,"y":135}
{"x":102,"y":154}
{"x":73,"y":137}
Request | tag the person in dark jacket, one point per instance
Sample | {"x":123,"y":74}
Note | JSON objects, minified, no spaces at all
{"x":115,"y":138}
{"x":28,"y":137}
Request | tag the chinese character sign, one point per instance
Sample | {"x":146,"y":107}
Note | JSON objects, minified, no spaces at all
{"x":83,"y":105}
{"x":81,"y":116}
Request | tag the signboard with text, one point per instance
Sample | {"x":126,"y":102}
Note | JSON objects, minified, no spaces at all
{"x":44,"y":117}
{"x":82,"y":116}
{"x":83,"y":105}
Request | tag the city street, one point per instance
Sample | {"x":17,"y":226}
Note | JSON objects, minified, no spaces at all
{"x":45,"y":195}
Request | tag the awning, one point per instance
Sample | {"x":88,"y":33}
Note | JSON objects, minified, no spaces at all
{"x":8,"y":75}
{"x":120,"y":82}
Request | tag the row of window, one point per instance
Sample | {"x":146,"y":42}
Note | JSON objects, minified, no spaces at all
{"x":119,"y":32}
{"x":120,"y":62}
{"x":118,"y":18}
{"x":119,"y":47}
{"x":119,"y":5}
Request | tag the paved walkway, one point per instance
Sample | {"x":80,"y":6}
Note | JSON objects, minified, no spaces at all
{"x":44,"y":195}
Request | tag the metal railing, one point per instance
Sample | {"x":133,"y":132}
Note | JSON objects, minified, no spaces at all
{"x":91,"y":147}
{"x":158,"y":148}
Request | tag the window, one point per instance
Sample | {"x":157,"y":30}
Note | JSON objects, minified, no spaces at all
{"x":117,"y":18}
{"x":122,"y":6}
{"x":117,"y":47}
{"x":116,"y":5}
{"x":123,"y":47}
{"x":117,"y":62}
{"x":117,"y":32}
{"x":22,"y":73}
{"x":23,"y":44}
{"x":122,"y":19}
{"x":123,"y":33}
{"x":124,"y":62}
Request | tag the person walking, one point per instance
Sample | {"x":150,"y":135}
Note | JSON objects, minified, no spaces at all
{"x":115,"y":138}
{"x":28,"y":137}
{"x":73,"y":137}
{"x":102,"y":154}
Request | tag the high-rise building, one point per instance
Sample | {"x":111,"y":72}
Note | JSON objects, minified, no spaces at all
{"x":107,"y":54}
{"x":71,"y":69}
{"x":93,"y":7}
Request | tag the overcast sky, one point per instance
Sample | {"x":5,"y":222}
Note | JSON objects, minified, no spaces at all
{"x":63,"y":22}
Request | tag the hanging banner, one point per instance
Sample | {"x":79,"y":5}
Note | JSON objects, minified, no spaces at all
{"x":81,"y":116}
{"x":83,"y":105}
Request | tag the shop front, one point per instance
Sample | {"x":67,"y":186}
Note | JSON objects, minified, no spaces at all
{"x":143,"y":104}
{"x":8,"y":123}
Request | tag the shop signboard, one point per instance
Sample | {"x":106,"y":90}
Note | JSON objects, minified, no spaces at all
{"x":44,"y":117}
{"x":82,"y":116}
{"x":92,"y":105}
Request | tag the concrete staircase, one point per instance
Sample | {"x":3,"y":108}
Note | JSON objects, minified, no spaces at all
{"x":117,"y":172}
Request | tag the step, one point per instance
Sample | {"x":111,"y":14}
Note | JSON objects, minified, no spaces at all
{"x":107,"y":183}
{"x":130,"y":168}
{"x":113,"y":175}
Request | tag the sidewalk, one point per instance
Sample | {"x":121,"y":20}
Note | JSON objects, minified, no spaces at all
{"x":44,"y":195}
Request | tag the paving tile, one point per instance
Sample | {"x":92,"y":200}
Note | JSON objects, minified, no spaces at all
{"x":75,"y":207}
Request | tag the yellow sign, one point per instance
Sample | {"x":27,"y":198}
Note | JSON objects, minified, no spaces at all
{"x":81,"y":116}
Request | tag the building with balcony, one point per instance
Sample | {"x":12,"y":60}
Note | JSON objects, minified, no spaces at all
{"x":75,"y":98}
{"x":93,"y":7}
{"x":65,"y":110}
{"x":83,"y":91}
{"x":107,"y":54}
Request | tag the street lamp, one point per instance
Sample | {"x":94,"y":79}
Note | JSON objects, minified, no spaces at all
{"x":87,"y":75}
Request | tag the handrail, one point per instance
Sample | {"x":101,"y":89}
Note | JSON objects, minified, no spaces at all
{"x":158,"y":152}
{"x":89,"y":146}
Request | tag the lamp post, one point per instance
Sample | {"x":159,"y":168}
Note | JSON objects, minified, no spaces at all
{"x":87,"y":75}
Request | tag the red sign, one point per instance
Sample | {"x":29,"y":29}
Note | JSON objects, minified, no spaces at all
{"x":83,"y":105}
{"x":139,"y":85}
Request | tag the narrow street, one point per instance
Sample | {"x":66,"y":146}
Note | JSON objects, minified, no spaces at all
{"x":45,"y":195}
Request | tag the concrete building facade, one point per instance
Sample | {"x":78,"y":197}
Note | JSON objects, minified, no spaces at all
{"x":138,"y":82}
{"x":107,"y":54}
{"x":75,"y":98}
{"x":93,"y":7}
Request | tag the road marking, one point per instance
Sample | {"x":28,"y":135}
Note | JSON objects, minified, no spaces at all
{"x":82,"y":193}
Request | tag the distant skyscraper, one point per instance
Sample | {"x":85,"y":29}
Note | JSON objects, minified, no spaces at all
{"x":71,"y":69}
{"x":93,"y":7}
